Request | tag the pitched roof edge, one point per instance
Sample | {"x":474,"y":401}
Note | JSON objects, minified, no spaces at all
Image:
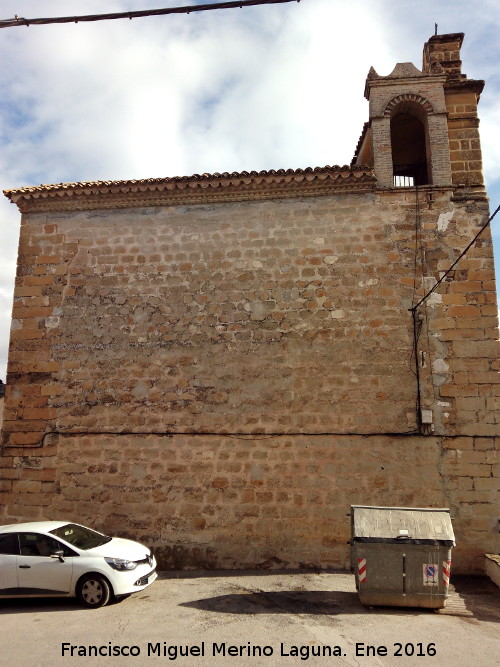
{"x":362,"y":136}
{"x":198,"y":188}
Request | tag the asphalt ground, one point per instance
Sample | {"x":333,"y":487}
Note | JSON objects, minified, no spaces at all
{"x":251,"y":618}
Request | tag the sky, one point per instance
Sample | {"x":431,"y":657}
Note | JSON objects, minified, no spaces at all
{"x":265,"y":87}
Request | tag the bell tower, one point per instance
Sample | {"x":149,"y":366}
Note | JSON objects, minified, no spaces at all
{"x":423,"y":124}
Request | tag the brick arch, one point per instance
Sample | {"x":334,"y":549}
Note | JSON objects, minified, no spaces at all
{"x":407,"y":115}
{"x":409,"y":100}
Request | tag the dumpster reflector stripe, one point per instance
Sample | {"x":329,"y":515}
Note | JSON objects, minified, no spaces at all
{"x":362,"y":570}
{"x":446,"y":572}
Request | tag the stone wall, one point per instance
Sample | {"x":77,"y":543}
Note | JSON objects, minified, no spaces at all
{"x":204,"y":501}
{"x":224,"y":380}
{"x":277,"y":316}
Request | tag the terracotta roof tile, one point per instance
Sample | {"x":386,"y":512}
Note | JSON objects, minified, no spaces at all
{"x":198,"y":188}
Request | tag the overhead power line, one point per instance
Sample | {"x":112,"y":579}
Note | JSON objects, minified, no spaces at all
{"x":18,"y":21}
{"x":414,"y":308}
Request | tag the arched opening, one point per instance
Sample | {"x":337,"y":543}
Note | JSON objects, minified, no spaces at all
{"x":409,"y":149}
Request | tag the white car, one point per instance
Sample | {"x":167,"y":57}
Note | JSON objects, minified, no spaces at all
{"x":58,"y":558}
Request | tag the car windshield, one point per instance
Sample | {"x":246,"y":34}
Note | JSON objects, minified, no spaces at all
{"x":80,"y":537}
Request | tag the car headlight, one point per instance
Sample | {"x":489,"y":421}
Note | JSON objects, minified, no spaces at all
{"x":121,"y":563}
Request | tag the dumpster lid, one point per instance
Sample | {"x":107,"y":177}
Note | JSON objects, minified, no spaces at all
{"x":402,"y":523}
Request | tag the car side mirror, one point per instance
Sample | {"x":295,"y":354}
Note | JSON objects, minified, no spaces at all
{"x":58,"y":554}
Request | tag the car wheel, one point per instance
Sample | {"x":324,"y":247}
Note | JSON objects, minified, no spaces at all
{"x":93,"y":591}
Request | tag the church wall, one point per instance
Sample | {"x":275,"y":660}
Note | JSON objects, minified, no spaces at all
{"x":246,"y":317}
{"x":222,"y":381}
{"x":206,"y":501}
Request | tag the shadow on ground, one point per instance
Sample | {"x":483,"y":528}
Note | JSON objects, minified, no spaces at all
{"x":474,"y":598}
{"x":478,"y":595}
{"x":276,"y":602}
{"x":43,"y":605}
{"x":470,"y":597}
{"x":46,"y":605}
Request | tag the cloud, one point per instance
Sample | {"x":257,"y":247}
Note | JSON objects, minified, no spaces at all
{"x":219,"y":91}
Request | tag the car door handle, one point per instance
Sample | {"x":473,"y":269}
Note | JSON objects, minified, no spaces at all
{"x":24,"y":567}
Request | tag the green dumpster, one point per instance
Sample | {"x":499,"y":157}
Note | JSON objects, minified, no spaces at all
{"x":401,"y":556}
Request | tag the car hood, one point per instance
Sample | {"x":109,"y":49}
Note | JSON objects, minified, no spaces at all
{"x":118,"y":547}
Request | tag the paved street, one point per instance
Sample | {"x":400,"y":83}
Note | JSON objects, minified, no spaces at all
{"x":255,"y":619}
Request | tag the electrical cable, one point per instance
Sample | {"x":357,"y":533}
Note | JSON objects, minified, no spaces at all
{"x":413,"y":308}
{"x":17,"y":21}
{"x":425,"y":315}
{"x":416,"y":336}
{"x":242,"y":436}
{"x":236,"y":436}
{"x":417,"y":243}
